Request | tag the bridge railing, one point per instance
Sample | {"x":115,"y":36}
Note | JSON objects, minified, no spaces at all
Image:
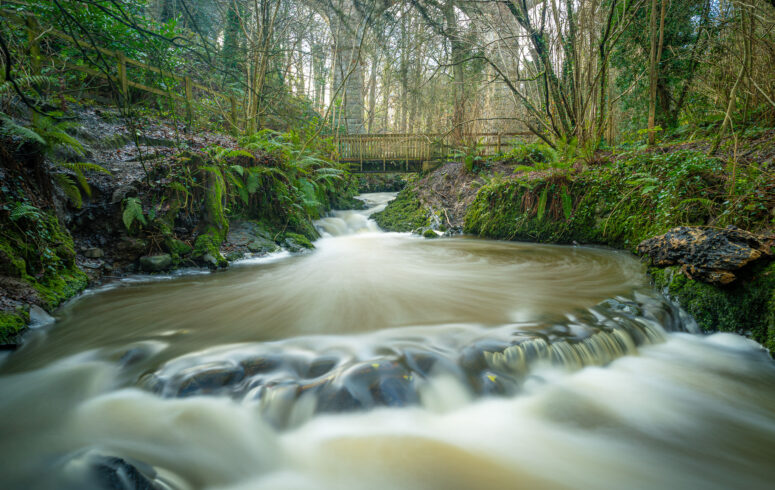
{"x":360,"y":149}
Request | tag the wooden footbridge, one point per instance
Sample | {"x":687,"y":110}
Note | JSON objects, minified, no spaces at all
{"x":401,"y":153}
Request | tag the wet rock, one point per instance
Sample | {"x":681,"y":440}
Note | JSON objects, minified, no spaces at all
{"x":93,"y":470}
{"x":39,"y":317}
{"x":491,"y":383}
{"x":92,"y":264}
{"x":424,"y":362}
{"x":472,"y":357}
{"x":94,"y":253}
{"x":232,"y":256}
{"x":259,"y":365}
{"x":207,"y":379}
{"x":336,"y":399}
{"x":210,"y":260}
{"x":321,"y":366}
{"x":117,"y":474}
{"x":132,"y":247}
{"x":369,"y":384}
{"x":262,"y":245}
{"x":122,"y":192}
{"x":155,"y":263}
{"x":706,"y":254}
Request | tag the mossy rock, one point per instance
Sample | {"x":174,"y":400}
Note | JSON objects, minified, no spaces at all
{"x":404,"y":213}
{"x":295,"y":242}
{"x":207,"y":248}
{"x":156,"y":263}
{"x":12,"y":323}
{"x":264,"y":245}
{"x":745,"y":307}
{"x":178,"y":247}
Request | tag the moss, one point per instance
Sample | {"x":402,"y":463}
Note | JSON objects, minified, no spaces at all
{"x":404,"y":213}
{"x":209,"y":243}
{"x":177,"y":247}
{"x":747,"y":306}
{"x":12,"y":324}
{"x":55,"y":289}
{"x":11,"y":264}
{"x":296,"y":242}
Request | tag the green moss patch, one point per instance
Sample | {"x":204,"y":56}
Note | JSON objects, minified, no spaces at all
{"x":745,"y":307}
{"x":404,"y":213}
{"x":12,"y":324}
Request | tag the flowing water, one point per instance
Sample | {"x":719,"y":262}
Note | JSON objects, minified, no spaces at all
{"x":387,"y":361}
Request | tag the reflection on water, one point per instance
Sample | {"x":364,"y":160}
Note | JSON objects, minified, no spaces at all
{"x":506,"y":366}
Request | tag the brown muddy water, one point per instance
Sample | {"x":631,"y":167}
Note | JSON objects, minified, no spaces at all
{"x":387,"y":361}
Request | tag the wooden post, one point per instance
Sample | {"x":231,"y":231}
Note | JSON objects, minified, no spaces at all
{"x":122,"y":77}
{"x":32,"y":37}
{"x":408,"y":146}
{"x":498,"y":151}
{"x":360,"y":150}
{"x":189,"y":108}
{"x":234,"y":124}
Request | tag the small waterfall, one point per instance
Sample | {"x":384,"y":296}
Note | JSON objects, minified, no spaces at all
{"x":351,"y":222}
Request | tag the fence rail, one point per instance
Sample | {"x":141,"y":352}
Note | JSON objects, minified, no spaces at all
{"x":35,"y":32}
{"x":363,"y":151}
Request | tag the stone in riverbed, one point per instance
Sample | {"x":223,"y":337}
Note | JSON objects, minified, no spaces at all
{"x":262,"y":245}
{"x":707,"y":254}
{"x":94,"y":253}
{"x":155,"y":263}
{"x":368,"y":384}
{"x":208,"y":378}
{"x":99,"y":471}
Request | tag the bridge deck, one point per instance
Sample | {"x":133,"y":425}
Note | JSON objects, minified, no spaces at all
{"x":390,"y":153}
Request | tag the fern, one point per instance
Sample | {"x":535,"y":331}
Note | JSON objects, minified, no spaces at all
{"x":542,"y":204}
{"x":10,"y":128}
{"x":567,"y":203}
{"x":24,"y":210}
{"x":86,"y":167}
{"x":68,"y":187}
{"x":133,"y":211}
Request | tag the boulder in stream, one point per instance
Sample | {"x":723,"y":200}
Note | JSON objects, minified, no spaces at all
{"x":710,"y":255}
{"x":155,"y":263}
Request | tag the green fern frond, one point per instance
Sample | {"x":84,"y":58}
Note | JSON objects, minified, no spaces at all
{"x":10,"y":128}
{"x":133,"y":211}
{"x":85,"y":167}
{"x":66,"y":184}
{"x":24,"y":210}
{"x":542,"y":204}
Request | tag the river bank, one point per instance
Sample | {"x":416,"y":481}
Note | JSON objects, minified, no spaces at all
{"x":617,"y":199}
{"x":463,"y":362}
{"x":153,"y":199}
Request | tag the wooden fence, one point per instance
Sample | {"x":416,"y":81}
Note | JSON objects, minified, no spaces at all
{"x":362,"y":151}
{"x":185,"y":92}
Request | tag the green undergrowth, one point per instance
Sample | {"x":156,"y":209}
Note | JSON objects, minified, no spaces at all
{"x":12,"y":323}
{"x":637,"y":196}
{"x":37,"y":251}
{"x":404,"y":213}
{"x":745,"y":307}
{"x":271,"y":178}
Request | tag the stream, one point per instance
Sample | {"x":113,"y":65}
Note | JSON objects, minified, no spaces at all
{"x":387,"y":361}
